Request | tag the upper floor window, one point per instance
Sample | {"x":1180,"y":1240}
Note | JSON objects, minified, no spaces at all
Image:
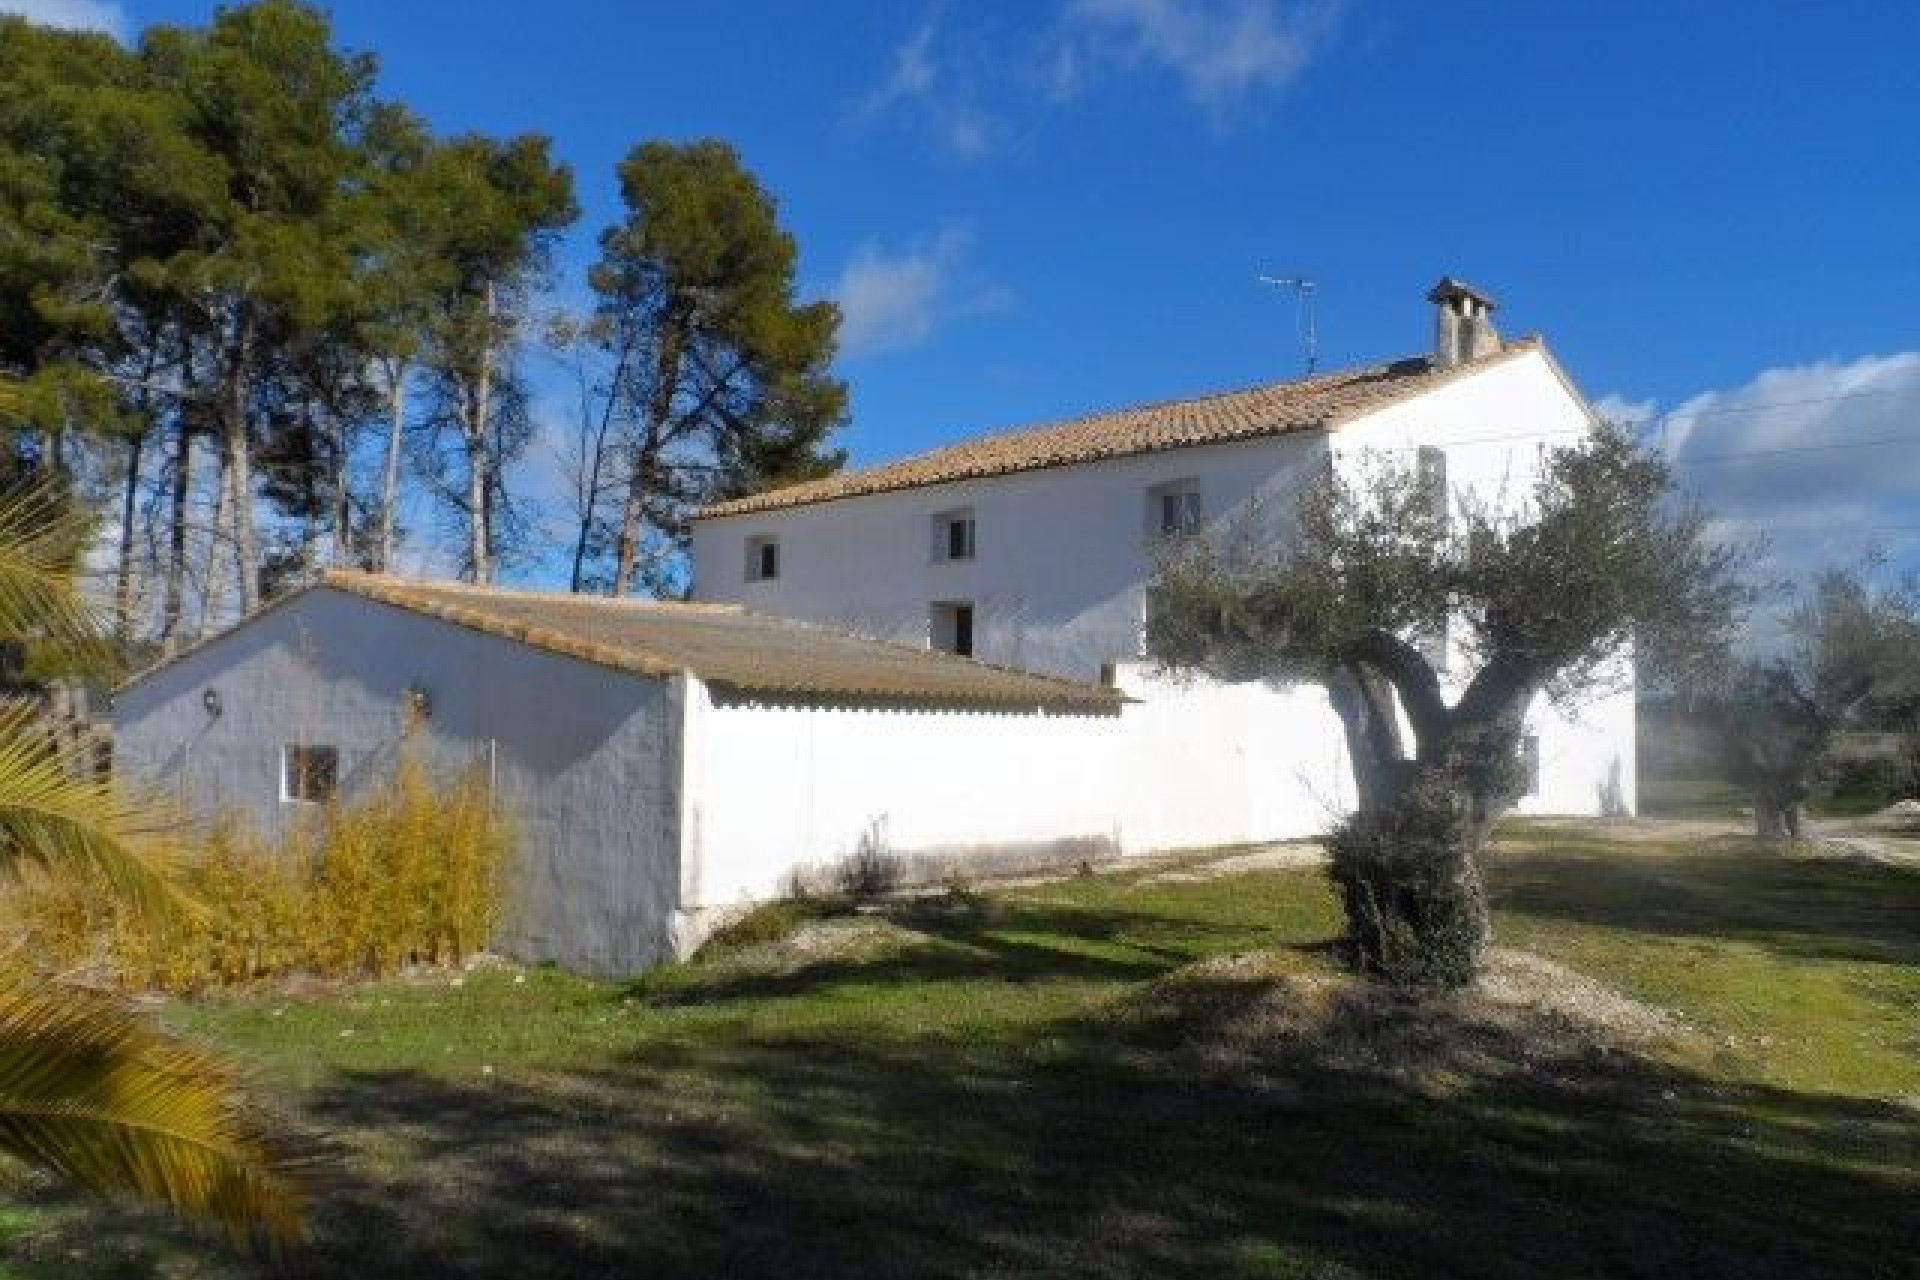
{"x":1173,"y":509}
{"x":1433,"y":480}
{"x":309,"y":774}
{"x":953,"y":535}
{"x":763,"y":558}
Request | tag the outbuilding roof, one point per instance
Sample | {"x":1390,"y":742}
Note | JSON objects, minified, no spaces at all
{"x":725,"y":646}
{"x":1271,"y":409}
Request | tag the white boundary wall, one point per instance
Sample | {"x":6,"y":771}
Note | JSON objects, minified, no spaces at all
{"x":778,"y":787}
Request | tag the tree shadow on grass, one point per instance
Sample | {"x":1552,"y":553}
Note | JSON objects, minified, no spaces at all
{"x":1205,"y":1128}
{"x":1807,"y":907}
{"x":1211,"y":1137}
{"x":936,"y":941}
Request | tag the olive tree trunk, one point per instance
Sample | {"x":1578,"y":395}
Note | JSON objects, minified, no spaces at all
{"x":1410,"y":881}
{"x":1778,"y":814}
{"x":1408,"y":862}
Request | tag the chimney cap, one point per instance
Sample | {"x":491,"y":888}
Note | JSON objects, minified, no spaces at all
{"x":1450,"y":290}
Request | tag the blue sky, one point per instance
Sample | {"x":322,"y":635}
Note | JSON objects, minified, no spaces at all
{"x":1036,"y":207}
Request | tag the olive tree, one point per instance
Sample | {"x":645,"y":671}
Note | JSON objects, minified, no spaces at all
{"x":1851,"y":657}
{"x":1543,"y":591}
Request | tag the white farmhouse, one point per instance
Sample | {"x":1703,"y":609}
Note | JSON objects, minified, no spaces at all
{"x":671,"y":764}
{"x":1034,"y":549}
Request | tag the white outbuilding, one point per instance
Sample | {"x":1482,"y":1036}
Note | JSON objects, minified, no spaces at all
{"x":665,"y":764}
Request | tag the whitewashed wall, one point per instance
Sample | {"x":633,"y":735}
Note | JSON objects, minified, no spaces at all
{"x":1206,"y":763}
{"x":1060,"y":567}
{"x":1058,"y":581}
{"x":581,"y":754}
{"x":778,"y":787}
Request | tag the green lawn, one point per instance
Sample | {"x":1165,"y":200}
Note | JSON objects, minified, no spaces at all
{"x":1010,"y":1091}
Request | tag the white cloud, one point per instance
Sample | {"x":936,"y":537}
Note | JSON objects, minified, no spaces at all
{"x":1822,"y":460}
{"x":1222,"y":51}
{"x":913,"y":74}
{"x":926,"y":83}
{"x":892,"y":299}
{"x":1625,"y":412}
{"x":71,"y":15}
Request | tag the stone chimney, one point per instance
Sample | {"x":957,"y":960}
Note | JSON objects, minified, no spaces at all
{"x":1462,"y":324}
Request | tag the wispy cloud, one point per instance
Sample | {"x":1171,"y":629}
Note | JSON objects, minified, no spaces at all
{"x":924,"y":81}
{"x":1820,"y":459}
{"x":1226,"y":55}
{"x":1223,"y":52}
{"x":892,"y":298}
{"x":72,"y":15}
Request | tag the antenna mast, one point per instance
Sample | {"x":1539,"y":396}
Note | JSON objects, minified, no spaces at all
{"x":1306,"y":323}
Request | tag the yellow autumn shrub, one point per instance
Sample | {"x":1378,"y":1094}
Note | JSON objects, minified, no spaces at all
{"x":408,"y":872}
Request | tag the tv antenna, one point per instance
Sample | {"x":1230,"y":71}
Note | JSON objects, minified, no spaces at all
{"x":1305,"y":322}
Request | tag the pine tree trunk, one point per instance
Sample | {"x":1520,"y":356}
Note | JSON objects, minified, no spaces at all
{"x":174,"y":601}
{"x":647,"y":456}
{"x":390,"y":471}
{"x":238,"y":467}
{"x":479,"y":477}
{"x":342,"y":499}
{"x":479,"y":535}
{"x":213,"y":589}
{"x":123,"y":569}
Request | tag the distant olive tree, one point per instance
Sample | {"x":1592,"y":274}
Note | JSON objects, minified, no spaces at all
{"x":1546,"y":591}
{"x":1851,"y":658}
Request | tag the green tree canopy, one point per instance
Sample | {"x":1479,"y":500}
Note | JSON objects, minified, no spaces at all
{"x":1542,"y":591}
{"x":720,"y":375}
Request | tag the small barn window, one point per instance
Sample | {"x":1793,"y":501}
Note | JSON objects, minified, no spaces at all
{"x":309,"y":775}
{"x":763,"y":559}
{"x":1530,"y":763}
{"x":950,"y":627}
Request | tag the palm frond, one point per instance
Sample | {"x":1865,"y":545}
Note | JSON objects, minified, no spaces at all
{"x":42,"y":536}
{"x":91,"y":1092}
{"x":57,"y":819}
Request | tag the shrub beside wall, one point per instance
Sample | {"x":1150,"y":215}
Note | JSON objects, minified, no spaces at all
{"x":407,"y":873}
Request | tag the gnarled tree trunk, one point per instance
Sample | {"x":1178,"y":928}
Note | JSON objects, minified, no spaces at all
{"x":1408,"y":862}
{"x":1410,"y":880}
{"x":1778,"y":812}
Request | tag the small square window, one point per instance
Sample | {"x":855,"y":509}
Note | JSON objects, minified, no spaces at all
{"x":763,"y":559}
{"x":953,"y":536}
{"x":309,"y":775}
{"x":1173,"y":510}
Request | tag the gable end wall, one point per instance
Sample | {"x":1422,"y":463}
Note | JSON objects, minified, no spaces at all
{"x":581,"y":754}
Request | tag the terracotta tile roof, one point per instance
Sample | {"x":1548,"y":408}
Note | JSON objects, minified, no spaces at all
{"x":725,"y":646}
{"x":1271,"y":409}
